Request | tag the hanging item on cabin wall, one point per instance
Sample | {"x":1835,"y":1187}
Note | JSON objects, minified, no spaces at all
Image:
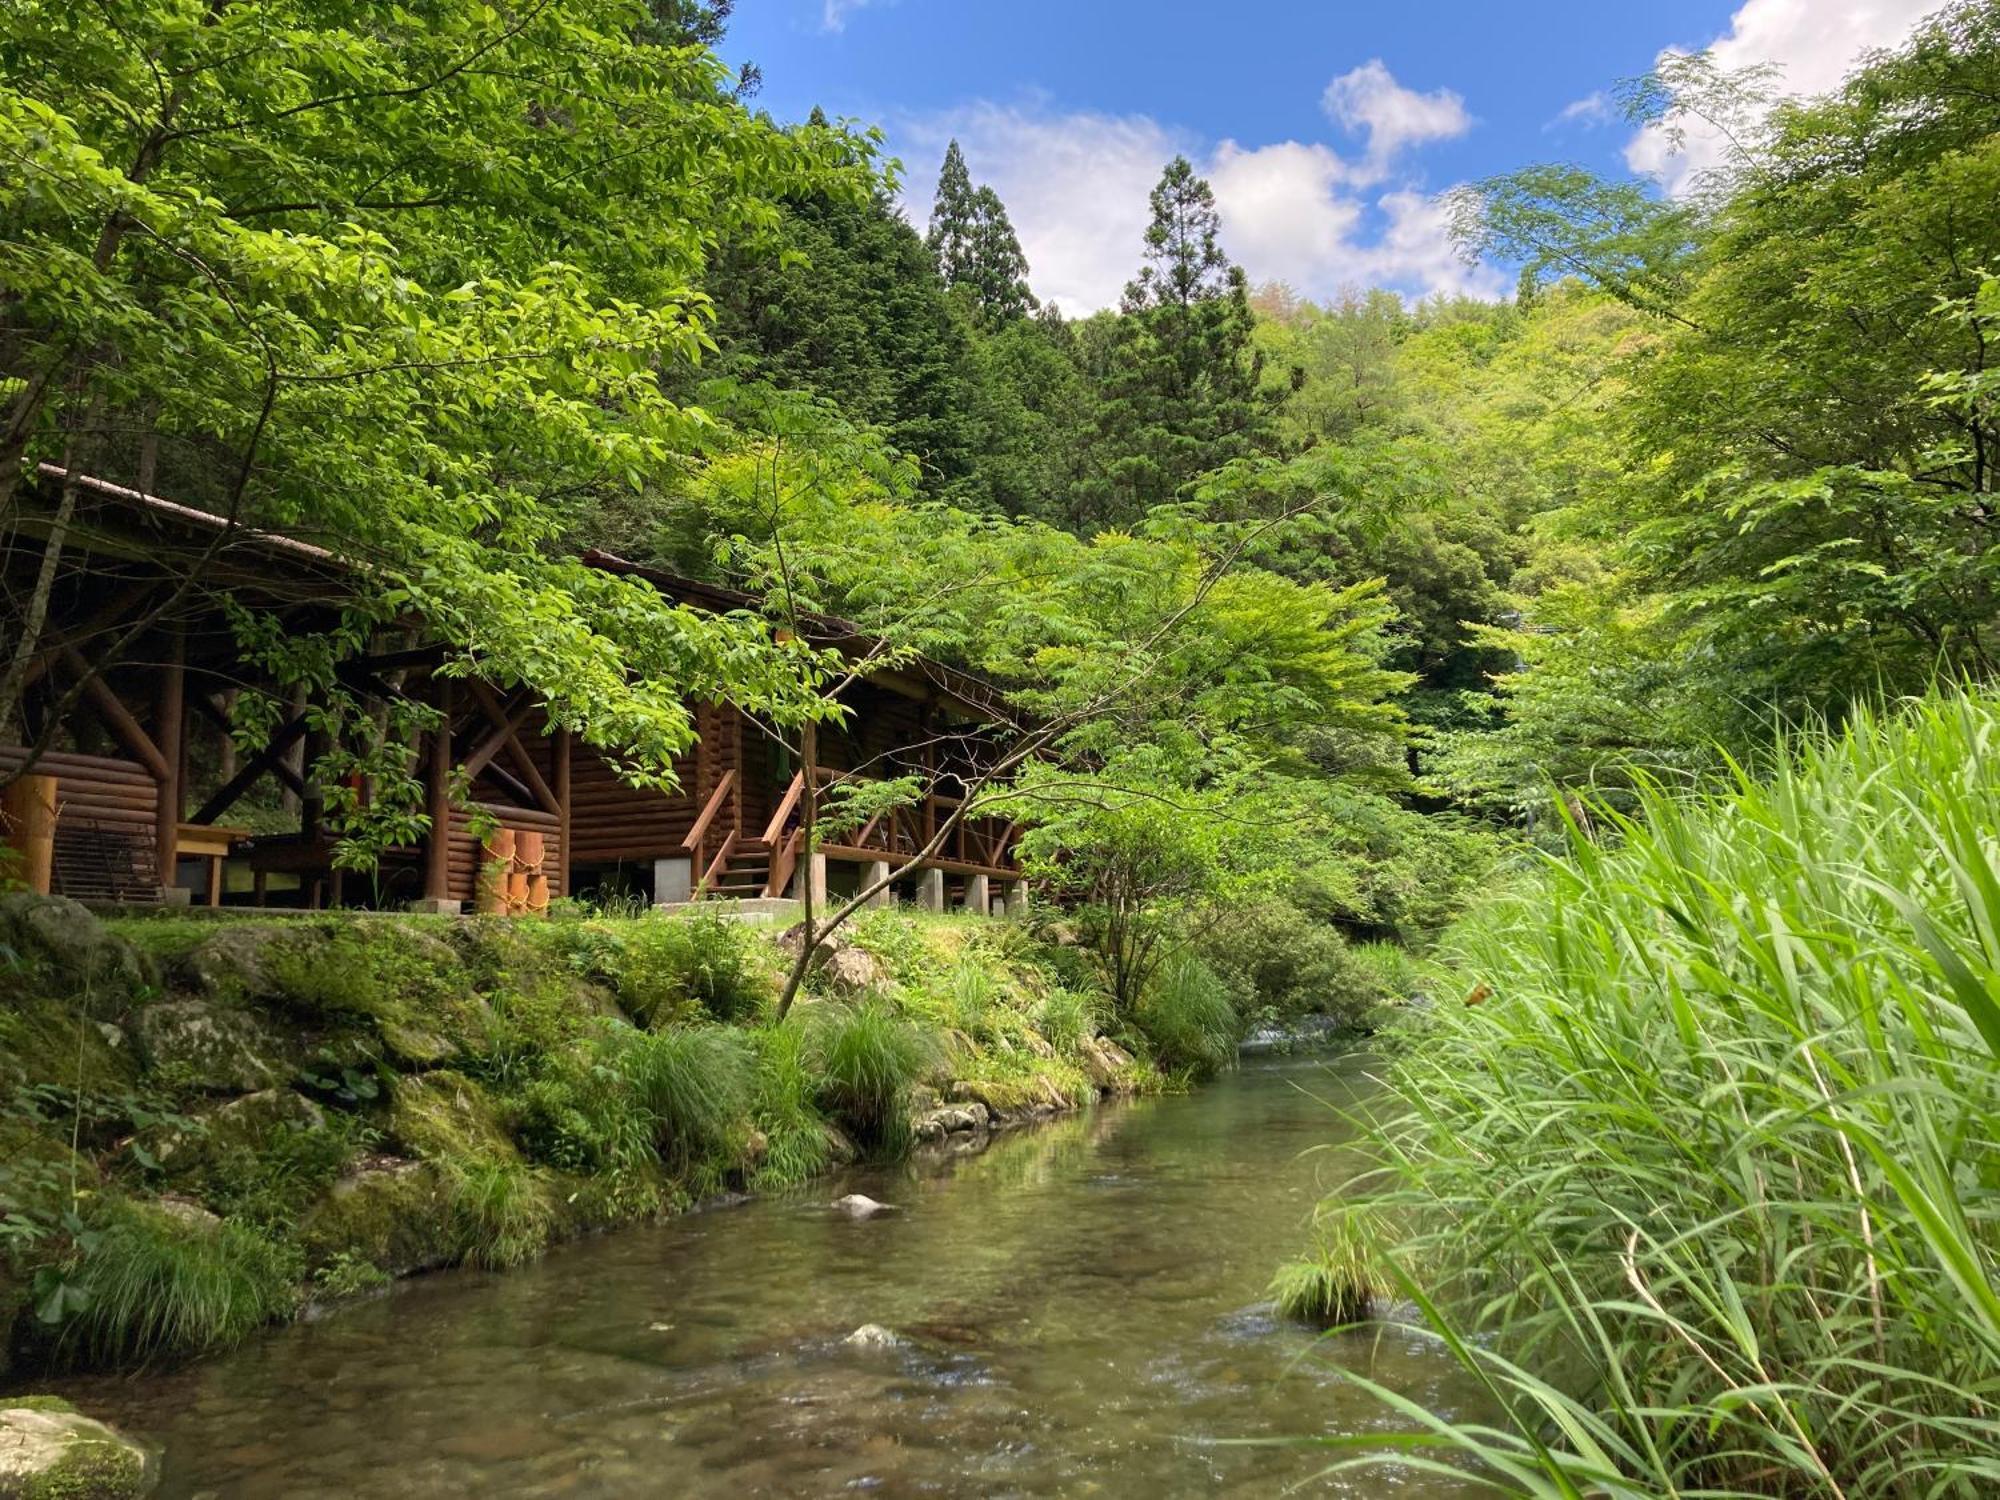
{"x":513,"y":880}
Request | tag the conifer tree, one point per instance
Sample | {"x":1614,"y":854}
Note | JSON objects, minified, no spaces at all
{"x":999,"y":269}
{"x":954,"y":219}
{"x":1180,"y":376}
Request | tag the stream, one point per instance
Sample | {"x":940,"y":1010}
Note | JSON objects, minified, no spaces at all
{"x":1081,"y":1306}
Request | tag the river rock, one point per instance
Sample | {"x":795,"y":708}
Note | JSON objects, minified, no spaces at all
{"x":232,"y":963}
{"x":1106,"y":1064}
{"x":846,"y":968}
{"x":392,"y":1213}
{"x":211,"y":1047}
{"x":48,"y":1449}
{"x":872,"y":1336}
{"x":861,"y":1206}
{"x":952,"y":1119}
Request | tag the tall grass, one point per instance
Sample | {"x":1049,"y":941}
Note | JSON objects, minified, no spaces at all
{"x":868,"y":1060}
{"x":797,"y":1146}
{"x":1712,"y":1142}
{"x":695,"y":1084}
{"x":1187,"y":1016}
{"x":150,"y":1285}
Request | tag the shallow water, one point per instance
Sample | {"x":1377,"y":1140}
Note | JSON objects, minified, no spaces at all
{"x":1083,"y":1309}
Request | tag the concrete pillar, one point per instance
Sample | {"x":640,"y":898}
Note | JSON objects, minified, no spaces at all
{"x":1017,"y":899}
{"x":930,"y":890}
{"x":811,"y":876}
{"x":673,"y":880}
{"x":870,"y":873}
{"x":978,"y":895}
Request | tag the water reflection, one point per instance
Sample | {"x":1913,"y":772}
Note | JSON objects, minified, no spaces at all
{"x":1080,"y":1310}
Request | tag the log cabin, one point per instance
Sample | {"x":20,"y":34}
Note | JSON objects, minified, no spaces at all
{"x":139,"y":786}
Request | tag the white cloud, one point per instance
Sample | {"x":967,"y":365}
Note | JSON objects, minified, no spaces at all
{"x":834,"y":13}
{"x":1076,"y":185}
{"x":1369,"y":100}
{"x":1590,"y":111}
{"x":1813,"y":44}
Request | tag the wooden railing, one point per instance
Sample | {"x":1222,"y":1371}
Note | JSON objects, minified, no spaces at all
{"x":975,"y":844}
{"x":696,"y":842}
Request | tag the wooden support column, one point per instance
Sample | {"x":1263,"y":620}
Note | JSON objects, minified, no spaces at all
{"x":560,"y":752}
{"x":168,"y":727}
{"x":28,"y":821}
{"x":437,"y":802}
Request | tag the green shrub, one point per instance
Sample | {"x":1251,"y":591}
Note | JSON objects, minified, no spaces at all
{"x":146,"y":1284}
{"x":1187,"y":1017}
{"x":1336,"y":1283}
{"x":867,"y":1060}
{"x":1280,"y":963}
{"x":669,"y":969}
{"x":501,"y":1213}
{"x":348,"y":1274}
{"x":1386,"y":972}
{"x":1716,"y":1153}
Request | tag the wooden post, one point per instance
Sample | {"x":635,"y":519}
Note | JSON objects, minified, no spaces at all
{"x":171,"y":721}
{"x":28,"y":809}
{"x":437,"y":802}
{"x":561,"y":751}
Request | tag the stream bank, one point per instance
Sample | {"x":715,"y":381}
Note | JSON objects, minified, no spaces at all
{"x":1078,"y":1309}
{"x":211,"y":1124}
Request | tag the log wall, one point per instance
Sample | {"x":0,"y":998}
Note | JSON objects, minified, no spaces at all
{"x":117,"y":795}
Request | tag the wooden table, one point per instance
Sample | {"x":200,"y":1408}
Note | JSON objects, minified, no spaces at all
{"x":212,"y":842}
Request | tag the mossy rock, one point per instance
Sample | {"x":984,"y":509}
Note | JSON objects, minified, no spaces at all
{"x":70,"y":952}
{"x":248,"y":1123}
{"x":44,"y":1040}
{"x":207,"y":1046}
{"x":51,"y":1451}
{"x":445,"y":1116}
{"x":391,"y":1213}
{"x":398,"y":978}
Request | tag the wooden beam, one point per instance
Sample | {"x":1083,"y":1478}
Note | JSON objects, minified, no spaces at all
{"x":117,"y":715}
{"x":437,"y":803}
{"x":713,"y":806}
{"x":560,"y":752}
{"x":169,"y":725}
{"x":508,"y":725}
{"x":543,"y":794}
{"x":115,"y":609}
{"x":270,"y":758}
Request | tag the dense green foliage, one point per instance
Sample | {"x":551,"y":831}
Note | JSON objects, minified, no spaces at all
{"x":1715,"y":1143}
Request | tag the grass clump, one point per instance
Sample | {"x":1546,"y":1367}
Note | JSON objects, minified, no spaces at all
{"x":1335,"y":1284}
{"x":694,"y":1085}
{"x":146,"y":1284}
{"x":797,"y":1143}
{"x":1713,"y":1137}
{"x":867,"y":1060}
{"x":1187,"y":1017}
{"x":501,"y":1212}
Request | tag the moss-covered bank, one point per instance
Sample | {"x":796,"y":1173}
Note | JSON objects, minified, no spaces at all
{"x":207,"y":1123}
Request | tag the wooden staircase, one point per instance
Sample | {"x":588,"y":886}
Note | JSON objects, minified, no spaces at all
{"x":745,"y":873}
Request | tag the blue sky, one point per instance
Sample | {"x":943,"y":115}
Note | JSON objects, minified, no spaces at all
{"x":1327,"y":129}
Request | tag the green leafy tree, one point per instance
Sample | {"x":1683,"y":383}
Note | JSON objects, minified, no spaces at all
{"x":405,"y":284}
